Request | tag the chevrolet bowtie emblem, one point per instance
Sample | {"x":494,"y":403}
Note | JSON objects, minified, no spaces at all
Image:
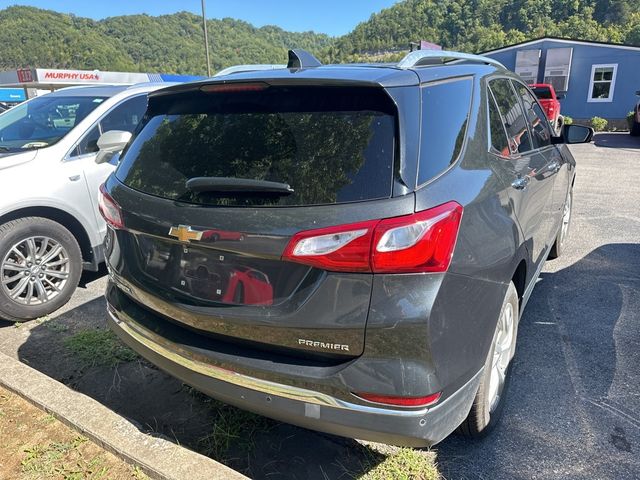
{"x":185,"y":233}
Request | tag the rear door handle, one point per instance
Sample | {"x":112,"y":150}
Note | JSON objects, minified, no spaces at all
{"x":521,"y":183}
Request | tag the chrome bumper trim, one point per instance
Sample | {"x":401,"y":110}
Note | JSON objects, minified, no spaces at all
{"x":170,"y":351}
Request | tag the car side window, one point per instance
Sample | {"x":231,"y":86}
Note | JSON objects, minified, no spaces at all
{"x":445,"y":114}
{"x":514,"y":120}
{"x":540,"y":130}
{"x":89,"y":144}
{"x":125,"y":116}
{"x":499,"y":143}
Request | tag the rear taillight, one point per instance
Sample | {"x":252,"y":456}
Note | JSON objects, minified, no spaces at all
{"x":109,"y":209}
{"x":401,"y":401}
{"x":421,"y":242}
{"x":345,"y":248}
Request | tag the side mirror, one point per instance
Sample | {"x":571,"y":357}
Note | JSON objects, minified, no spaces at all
{"x":110,"y":143}
{"x":561,"y":96}
{"x":576,"y":134}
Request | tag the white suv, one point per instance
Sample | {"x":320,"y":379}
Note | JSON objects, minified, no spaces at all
{"x":50,"y":227}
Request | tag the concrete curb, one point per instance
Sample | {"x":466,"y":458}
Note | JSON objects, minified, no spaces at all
{"x":157,"y":457}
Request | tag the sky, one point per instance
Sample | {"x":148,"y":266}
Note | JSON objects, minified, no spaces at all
{"x":333,"y":17}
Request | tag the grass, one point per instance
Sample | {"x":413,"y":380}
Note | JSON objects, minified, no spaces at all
{"x":48,"y":418}
{"x":34,"y":446}
{"x":138,"y":474}
{"x":62,"y":460}
{"x":404,"y":464}
{"x":99,"y":348}
{"x":56,"y":326}
{"x":233,"y":433}
{"x":65,"y":460}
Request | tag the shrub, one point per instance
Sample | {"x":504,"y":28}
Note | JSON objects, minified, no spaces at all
{"x":630,"y":116}
{"x":599,"y":124}
{"x":567,"y":120}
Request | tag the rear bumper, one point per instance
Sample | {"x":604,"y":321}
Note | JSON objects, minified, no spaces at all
{"x":299,"y":406}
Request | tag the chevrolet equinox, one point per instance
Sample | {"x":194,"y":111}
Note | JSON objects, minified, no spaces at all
{"x":347,"y":248}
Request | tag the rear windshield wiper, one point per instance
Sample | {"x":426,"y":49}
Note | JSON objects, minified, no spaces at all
{"x":237,"y":185}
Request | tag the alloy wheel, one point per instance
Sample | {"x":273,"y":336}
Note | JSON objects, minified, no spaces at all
{"x":505,"y":337}
{"x":35,"y":270}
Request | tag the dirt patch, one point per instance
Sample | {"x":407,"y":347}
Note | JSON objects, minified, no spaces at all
{"x":34,"y":445}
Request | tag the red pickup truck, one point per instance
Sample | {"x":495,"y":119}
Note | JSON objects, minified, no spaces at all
{"x":549,"y":101}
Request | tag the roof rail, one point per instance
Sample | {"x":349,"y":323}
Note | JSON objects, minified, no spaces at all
{"x":248,"y":68}
{"x":434,"y":57}
{"x":299,"y":58}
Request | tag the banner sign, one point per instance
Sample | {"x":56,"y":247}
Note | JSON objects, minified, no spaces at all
{"x":88,"y":76}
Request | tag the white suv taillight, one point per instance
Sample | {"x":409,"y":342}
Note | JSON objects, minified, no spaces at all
{"x":109,"y":209}
{"x":421,"y":242}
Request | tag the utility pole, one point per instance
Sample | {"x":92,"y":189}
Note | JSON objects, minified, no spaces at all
{"x":206,"y":38}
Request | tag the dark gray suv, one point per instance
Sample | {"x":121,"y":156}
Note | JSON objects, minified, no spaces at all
{"x":348,"y":248}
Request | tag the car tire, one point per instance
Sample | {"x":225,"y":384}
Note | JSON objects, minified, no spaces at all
{"x":563,"y":233}
{"x":27,"y":290}
{"x":489,"y":401}
{"x":635,"y":129}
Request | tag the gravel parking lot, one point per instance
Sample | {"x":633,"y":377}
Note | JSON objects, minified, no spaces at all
{"x":573,"y":409}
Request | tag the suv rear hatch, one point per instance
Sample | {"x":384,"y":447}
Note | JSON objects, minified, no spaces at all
{"x":217,"y":183}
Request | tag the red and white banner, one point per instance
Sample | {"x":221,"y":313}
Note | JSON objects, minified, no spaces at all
{"x":88,"y":76}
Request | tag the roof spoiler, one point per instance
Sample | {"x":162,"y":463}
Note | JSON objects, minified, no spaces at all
{"x":421,"y":58}
{"x":299,"y":58}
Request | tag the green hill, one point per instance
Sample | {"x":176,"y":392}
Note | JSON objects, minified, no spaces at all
{"x":479,"y":25}
{"x":173,"y":43}
{"x":170,"y":43}
{"x":32,"y":37}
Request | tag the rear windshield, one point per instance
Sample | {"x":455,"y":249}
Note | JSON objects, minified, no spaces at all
{"x":330,"y":144}
{"x":542,"y":93}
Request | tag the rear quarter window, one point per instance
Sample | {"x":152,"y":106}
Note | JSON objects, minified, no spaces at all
{"x":499,"y":143}
{"x":445,"y":114}
{"x":511,"y":110}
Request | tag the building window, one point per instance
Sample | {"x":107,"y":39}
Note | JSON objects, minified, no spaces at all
{"x":603,"y":82}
